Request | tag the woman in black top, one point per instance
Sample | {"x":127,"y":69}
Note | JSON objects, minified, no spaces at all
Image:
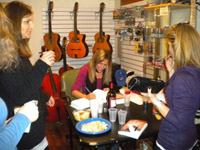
{"x":21,"y":81}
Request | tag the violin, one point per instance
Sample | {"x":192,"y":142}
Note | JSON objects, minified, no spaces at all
{"x":101,"y":40}
{"x":52,"y":40}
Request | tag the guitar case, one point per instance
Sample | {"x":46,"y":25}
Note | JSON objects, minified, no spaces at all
{"x":141,"y":84}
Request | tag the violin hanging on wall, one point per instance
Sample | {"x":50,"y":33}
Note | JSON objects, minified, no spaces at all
{"x":101,"y":40}
{"x":77,"y":48}
{"x":65,"y":66}
{"x":52,"y":40}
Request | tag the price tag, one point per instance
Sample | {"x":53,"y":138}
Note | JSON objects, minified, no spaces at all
{"x":164,"y":11}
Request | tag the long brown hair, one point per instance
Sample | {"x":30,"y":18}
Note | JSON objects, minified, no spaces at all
{"x":15,"y":11}
{"x":98,"y":57}
{"x":8,"y":46}
{"x":186,"y":44}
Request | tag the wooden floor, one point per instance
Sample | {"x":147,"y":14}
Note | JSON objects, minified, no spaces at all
{"x":58,"y":138}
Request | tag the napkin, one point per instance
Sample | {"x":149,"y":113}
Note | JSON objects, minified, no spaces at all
{"x":80,"y":104}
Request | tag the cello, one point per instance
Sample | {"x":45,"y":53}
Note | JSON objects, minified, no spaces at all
{"x":77,"y":48}
{"x":101,"y":40}
{"x":51,"y":83}
{"x":65,"y":66}
{"x":51,"y":40}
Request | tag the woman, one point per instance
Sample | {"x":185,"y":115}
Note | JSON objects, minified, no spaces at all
{"x":12,"y":130}
{"x":20,"y":82}
{"x":177,"y":130}
{"x":95,"y":75}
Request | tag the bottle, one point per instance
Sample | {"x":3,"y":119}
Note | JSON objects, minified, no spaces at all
{"x":111,"y":97}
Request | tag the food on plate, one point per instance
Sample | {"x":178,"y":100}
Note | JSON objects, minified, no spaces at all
{"x":94,"y":126}
{"x":80,"y":115}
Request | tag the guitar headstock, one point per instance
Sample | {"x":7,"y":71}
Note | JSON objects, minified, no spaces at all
{"x":102,"y":6}
{"x":64,"y":42}
{"x":76,"y":6}
{"x":50,"y":7}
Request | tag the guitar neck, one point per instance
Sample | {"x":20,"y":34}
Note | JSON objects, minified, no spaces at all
{"x":52,"y":81}
{"x":193,"y":13}
{"x":100,"y":25}
{"x":50,"y":28}
{"x":64,"y":59}
{"x":75,"y":24}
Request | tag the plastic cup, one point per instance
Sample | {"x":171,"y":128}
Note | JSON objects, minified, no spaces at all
{"x":122,"y":116}
{"x":112,"y":114}
{"x":127,"y":100}
{"x":94,"y":108}
{"x":100,"y":106}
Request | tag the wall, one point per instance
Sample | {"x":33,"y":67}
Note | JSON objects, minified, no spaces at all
{"x":37,"y":6}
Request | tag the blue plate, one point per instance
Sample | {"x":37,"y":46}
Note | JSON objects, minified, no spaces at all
{"x":79,"y":125}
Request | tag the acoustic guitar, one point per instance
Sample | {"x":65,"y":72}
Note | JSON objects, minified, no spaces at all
{"x":101,"y":40}
{"x":77,"y":48}
{"x":65,"y":66}
{"x":52,"y":40}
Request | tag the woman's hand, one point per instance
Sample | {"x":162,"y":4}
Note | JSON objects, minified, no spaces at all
{"x":51,"y":102}
{"x":91,"y":96}
{"x":30,"y":110}
{"x":169,"y":62}
{"x":136,"y":123}
{"x":48,"y":57}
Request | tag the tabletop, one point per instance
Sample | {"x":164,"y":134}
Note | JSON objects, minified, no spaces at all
{"x":134,"y":111}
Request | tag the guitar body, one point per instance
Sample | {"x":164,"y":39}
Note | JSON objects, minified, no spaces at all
{"x":53,"y":44}
{"x":102,"y":43}
{"x":53,"y":115}
{"x":77,"y":48}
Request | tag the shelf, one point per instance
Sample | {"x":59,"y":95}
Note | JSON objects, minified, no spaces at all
{"x":168,"y":4}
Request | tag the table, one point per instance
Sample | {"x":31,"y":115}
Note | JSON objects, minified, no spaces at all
{"x":134,"y":111}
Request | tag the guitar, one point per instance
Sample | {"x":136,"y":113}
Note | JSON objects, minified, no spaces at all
{"x":51,"y":39}
{"x":65,"y":66}
{"x":193,"y":13}
{"x":101,"y":40}
{"x":77,"y":48}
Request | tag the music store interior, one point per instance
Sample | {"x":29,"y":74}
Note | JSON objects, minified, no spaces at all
{"x":134,"y":33}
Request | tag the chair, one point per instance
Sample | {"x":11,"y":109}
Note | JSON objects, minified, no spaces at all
{"x":67,"y":81}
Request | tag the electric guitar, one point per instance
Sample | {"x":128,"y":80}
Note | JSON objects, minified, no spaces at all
{"x":77,"y":48}
{"x":101,"y":40}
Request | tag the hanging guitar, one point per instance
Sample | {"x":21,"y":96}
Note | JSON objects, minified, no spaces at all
{"x":101,"y":40}
{"x":52,"y":40}
{"x":77,"y":48}
{"x":193,"y":13}
{"x":65,"y":66}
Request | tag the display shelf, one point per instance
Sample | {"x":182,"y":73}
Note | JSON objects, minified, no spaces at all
{"x":173,"y":5}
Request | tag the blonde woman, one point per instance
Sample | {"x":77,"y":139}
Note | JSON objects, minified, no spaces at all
{"x":94,"y":75}
{"x":177,"y":130}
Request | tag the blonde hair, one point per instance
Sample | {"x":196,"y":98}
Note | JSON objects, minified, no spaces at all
{"x":8,"y":46}
{"x":98,"y":57}
{"x":185,"y":41}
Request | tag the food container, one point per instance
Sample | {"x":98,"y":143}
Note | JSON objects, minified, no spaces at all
{"x":80,"y":115}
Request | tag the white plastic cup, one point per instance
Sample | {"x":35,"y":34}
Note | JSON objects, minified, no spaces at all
{"x":94,"y":108}
{"x":112,"y":114}
{"x":100,"y":106}
{"x":122,"y":116}
{"x":127,"y":100}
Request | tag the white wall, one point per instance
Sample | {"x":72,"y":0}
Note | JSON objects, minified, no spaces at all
{"x":37,"y":6}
